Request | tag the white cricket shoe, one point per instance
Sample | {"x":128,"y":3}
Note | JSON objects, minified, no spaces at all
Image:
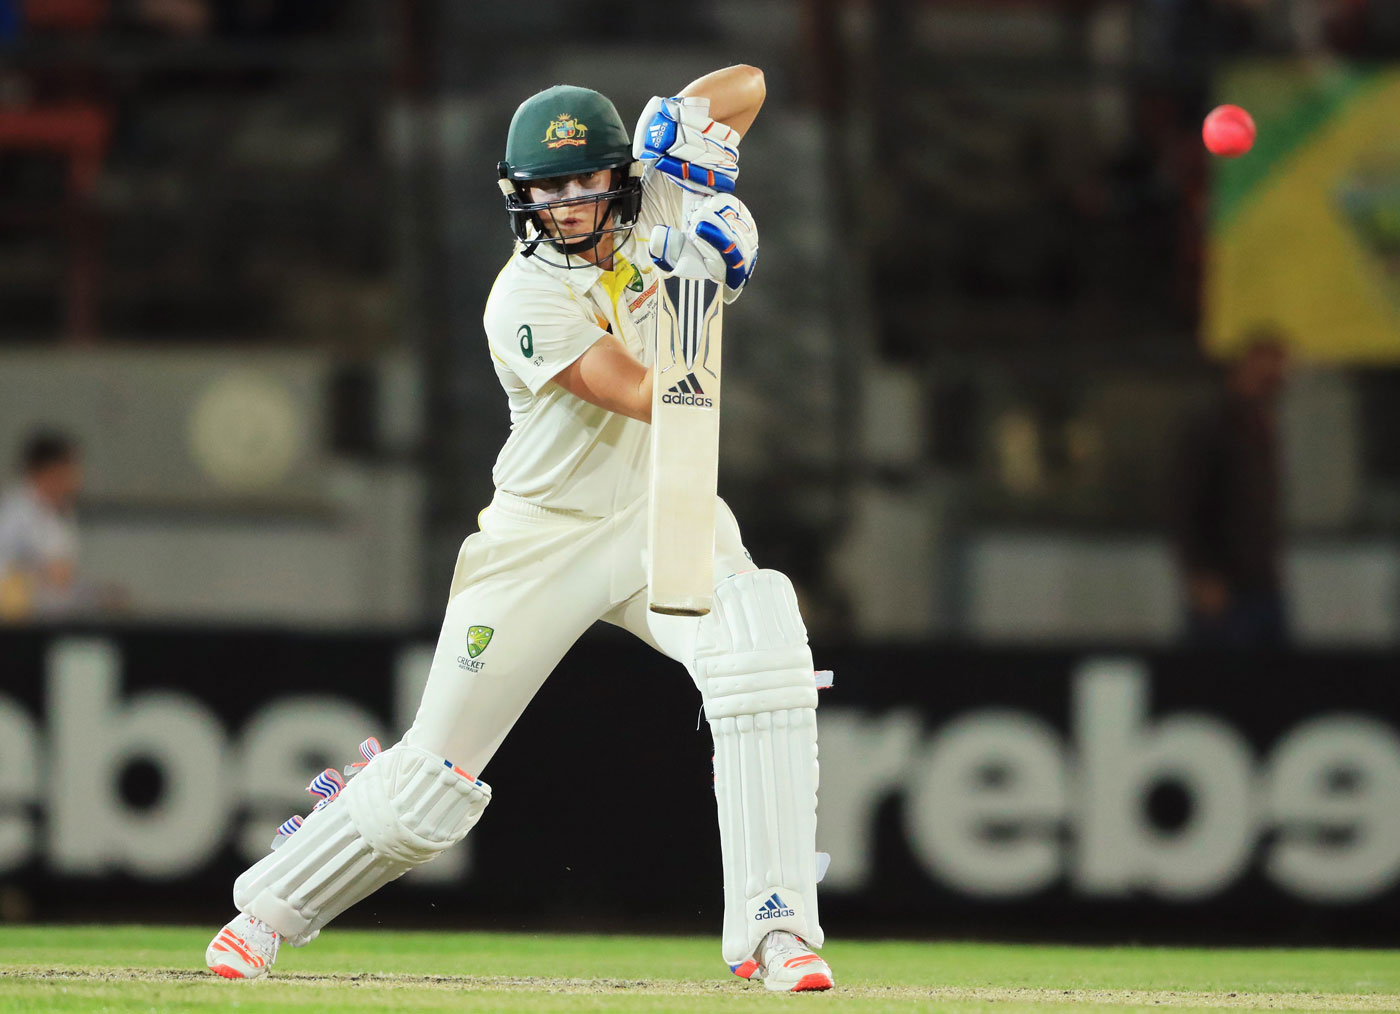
{"x":244,"y":949}
{"x":786,"y":964}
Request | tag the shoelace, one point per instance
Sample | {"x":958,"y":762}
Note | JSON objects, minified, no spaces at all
{"x":777,"y":944}
{"x":262,"y":938}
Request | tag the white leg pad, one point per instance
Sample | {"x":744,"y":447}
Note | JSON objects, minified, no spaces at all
{"x":406,"y":807}
{"x":755,"y":672}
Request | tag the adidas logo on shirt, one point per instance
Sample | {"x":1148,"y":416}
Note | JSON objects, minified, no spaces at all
{"x":687,"y":392}
{"x":774,"y":908}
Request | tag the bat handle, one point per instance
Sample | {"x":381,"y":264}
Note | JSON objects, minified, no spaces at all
{"x":690,"y":264}
{"x":701,"y":104}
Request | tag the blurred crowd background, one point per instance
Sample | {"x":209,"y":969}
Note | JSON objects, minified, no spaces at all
{"x":982,"y":389}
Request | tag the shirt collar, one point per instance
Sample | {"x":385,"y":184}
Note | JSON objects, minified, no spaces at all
{"x":583,"y":277}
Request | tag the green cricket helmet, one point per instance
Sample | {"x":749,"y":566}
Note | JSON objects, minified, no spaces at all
{"x":568,"y":131}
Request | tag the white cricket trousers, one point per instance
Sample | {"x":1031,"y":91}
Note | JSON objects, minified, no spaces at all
{"x":537,"y":579}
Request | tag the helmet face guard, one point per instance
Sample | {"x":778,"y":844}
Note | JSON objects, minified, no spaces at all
{"x":616,"y":209}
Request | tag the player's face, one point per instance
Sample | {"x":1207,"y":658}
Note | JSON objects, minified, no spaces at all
{"x":575,"y":213}
{"x":61,"y":482}
{"x":1263,"y":372}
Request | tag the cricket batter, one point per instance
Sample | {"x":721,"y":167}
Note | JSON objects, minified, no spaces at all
{"x":569,"y":325}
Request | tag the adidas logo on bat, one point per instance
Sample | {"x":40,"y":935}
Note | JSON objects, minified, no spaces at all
{"x":687,"y":392}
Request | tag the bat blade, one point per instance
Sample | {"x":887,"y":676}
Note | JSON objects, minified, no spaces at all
{"x":685,"y":446}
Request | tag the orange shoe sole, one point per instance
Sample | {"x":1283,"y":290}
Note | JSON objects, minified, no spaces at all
{"x":812,"y":983}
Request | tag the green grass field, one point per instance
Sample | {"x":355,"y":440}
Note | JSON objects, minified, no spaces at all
{"x":140,"y":968}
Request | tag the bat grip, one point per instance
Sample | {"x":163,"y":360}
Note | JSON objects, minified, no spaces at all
{"x":700,"y":104}
{"x":690,"y":264}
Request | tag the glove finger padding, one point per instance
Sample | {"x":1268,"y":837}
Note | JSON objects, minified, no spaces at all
{"x":721,"y":234}
{"x":694,"y":177}
{"x":732,"y":261}
{"x":726,"y":236}
{"x":679,"y":138}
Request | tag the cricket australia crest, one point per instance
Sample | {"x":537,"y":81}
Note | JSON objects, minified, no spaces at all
{"x":477,"y":640}
{"x":565,"y":131}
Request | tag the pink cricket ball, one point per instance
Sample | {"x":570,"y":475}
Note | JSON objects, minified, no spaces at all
{"x":1228,"y":131}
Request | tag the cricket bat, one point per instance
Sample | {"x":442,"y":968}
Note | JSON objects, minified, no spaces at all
{"x":685,"y":403}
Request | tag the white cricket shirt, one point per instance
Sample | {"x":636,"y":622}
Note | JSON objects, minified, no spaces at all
{"x":563,"y":452}
{"x":33,"y":534}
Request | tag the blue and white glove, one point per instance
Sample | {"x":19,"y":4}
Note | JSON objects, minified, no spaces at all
{"x":721,"y":234}
{"x":679,"y":138}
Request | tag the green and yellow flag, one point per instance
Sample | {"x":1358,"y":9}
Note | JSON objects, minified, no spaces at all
{"x":1304,"y":231}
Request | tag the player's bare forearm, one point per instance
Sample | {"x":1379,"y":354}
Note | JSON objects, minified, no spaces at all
{"x":736,"y":94}
{"x":643,"y":398}
{"x":609,"y":376}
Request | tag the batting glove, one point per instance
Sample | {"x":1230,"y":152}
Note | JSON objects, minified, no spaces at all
{"x":721,"y":234}
{"x":679,"y":138}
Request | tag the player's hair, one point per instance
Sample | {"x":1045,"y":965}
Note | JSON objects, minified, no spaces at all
{"x":45,"y":448}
